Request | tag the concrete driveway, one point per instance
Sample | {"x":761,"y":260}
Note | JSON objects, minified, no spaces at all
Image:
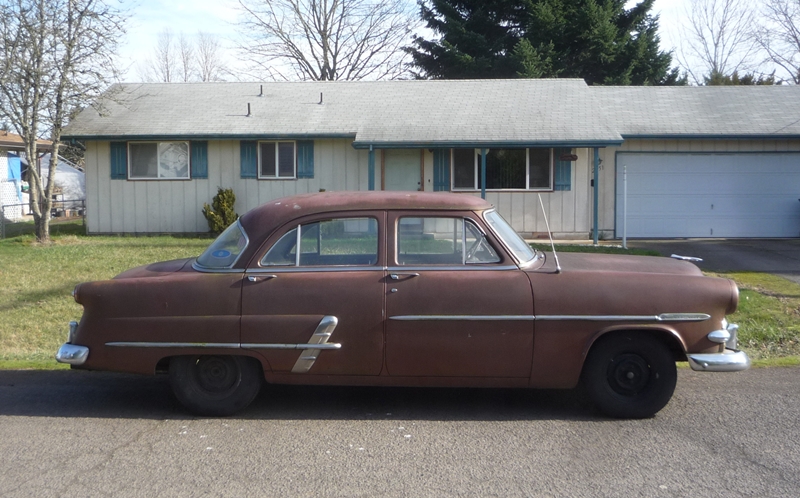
{"x":777,"y":256}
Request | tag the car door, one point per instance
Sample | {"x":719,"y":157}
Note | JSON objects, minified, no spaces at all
{"x":457,"y":305}
{"x":319,"y":309}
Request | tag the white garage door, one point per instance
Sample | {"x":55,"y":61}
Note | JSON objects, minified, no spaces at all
{"x":709,"y":195}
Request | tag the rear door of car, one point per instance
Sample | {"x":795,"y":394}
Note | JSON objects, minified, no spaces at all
{"x":320,"y":311}
{"x":456,"y":306}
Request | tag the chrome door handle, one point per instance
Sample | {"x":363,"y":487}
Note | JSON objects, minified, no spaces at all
{"x":255,"y":278}
{"x":396,"y":276}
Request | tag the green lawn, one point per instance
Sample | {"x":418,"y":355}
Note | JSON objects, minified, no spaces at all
{"x":36,"y":282}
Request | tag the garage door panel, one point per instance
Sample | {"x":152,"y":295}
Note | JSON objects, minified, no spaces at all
{"x":710,"y":195}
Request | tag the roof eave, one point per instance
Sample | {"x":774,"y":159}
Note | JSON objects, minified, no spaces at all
{"x":486,"y":144}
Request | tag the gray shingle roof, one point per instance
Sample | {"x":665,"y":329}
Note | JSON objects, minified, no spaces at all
{"x":714,"y":111}
{"x":430,"y":113}
{"x":399,"y":113}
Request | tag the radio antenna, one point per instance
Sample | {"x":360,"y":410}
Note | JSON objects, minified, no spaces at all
{"x":550,"y":234}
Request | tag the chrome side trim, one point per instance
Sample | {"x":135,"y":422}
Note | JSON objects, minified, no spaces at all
{"x":664,"y":317}
{"x":72,"y":354}
{"x":214,"y":345}
{"x":318,"y":338}
{"x":293,"y":346}
{"x":463,"y":317}
{"x":221,"y":345}
{"x":729,"y":361}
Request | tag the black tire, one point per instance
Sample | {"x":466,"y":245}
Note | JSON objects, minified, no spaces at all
{"x":630,"y":375}
{"x":215,"y":385}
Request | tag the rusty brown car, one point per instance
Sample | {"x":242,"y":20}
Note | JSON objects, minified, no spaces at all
{"x":403,"y":289}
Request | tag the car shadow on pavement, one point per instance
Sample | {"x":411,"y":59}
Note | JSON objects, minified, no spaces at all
{"x":111,"y":395}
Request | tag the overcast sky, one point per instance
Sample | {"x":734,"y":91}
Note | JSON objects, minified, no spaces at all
{"x":150,"y":17}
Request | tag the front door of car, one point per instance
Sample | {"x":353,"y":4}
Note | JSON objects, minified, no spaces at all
{"x":297,"y":306}
{"x":456,"y":304}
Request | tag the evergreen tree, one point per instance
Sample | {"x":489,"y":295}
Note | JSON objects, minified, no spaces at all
{"x":477,"y":39}
{"x":597,"y":40}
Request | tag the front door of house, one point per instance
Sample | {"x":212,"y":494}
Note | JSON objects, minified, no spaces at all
{"x":402,"y":170}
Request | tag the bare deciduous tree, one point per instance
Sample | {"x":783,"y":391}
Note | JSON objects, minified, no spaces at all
{"x":184,"y":60}
{"x":56,"y":56}
{"x":779,"y":35}
{"x":186,"y":56}
{"x":717,"y":39}
{"x":326,"y":39}
{"x":162,"y":66}
{"x":209,"y":61}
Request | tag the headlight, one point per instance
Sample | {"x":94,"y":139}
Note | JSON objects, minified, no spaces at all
{"x":75,"y":294}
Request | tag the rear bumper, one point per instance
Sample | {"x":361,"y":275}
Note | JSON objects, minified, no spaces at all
{"x":728,"y":361}
{"x":72,"y":354}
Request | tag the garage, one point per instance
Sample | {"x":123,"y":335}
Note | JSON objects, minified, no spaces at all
{"x":708,"y":194}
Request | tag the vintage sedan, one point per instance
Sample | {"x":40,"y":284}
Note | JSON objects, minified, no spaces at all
{"x":403,"y":289}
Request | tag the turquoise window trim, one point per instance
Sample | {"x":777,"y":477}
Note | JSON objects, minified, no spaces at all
{"x":562,"y":170}
{"x":248,"y":159}
{"x":305,"y":159}
{"x":119,"y":160}
{"x":441,"y":170}
{"x":198,"y":163}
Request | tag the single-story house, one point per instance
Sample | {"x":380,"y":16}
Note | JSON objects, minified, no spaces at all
{"x":668,"y":161}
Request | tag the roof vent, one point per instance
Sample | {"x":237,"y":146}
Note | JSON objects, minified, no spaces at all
{"x":248,"y":110}
{"x":320,"y":98}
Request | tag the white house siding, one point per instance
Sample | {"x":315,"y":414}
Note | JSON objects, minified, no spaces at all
{"x":175,"y":206}
{"x":608,"y":163}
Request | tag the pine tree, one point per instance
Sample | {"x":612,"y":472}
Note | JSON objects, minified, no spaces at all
{"x":597,"y":40}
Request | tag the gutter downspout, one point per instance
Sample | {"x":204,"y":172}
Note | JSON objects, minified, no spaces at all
{"x":371,"y":169}
{"x":483,"y":174}
{"x":596,"y":182}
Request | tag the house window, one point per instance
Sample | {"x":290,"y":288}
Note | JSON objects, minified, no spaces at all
{"x":276,"y":160}
{"x":158,"y":160}
{"x":506,"y":169}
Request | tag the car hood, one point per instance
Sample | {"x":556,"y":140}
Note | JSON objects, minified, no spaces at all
{"x":157,"y":269}
{"x":573,"y":261}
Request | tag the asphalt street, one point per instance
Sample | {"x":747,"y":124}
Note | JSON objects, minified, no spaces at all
{"x":85,"y":434}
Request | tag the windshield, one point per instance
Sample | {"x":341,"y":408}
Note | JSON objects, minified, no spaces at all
{"x":225,"y":250}
{"x":512,"y":240}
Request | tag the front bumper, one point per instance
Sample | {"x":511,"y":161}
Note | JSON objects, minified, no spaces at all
{"x":728,"y":361}
{"x":72,"y":354}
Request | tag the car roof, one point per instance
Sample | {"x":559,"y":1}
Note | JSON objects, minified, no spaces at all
{"x":261,"y":221}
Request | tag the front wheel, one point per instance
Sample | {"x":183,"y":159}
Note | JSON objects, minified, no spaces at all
{"x":630,"y":376}
{"x":215,"y":385}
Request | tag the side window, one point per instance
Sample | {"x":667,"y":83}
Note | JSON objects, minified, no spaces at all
{"x":337,"y":242}
{"x":442,"y":241}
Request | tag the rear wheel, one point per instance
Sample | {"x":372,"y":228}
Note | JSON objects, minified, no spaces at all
{"x":215,"y":385}
{"x":630,"y":376}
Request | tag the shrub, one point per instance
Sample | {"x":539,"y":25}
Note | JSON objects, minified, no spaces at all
{"x":221,"y":212}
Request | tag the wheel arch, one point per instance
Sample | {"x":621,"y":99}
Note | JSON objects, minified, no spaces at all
{"x":666,"y":335}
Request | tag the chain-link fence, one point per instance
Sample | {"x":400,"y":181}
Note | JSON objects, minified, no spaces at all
{"x":62,"y":208}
